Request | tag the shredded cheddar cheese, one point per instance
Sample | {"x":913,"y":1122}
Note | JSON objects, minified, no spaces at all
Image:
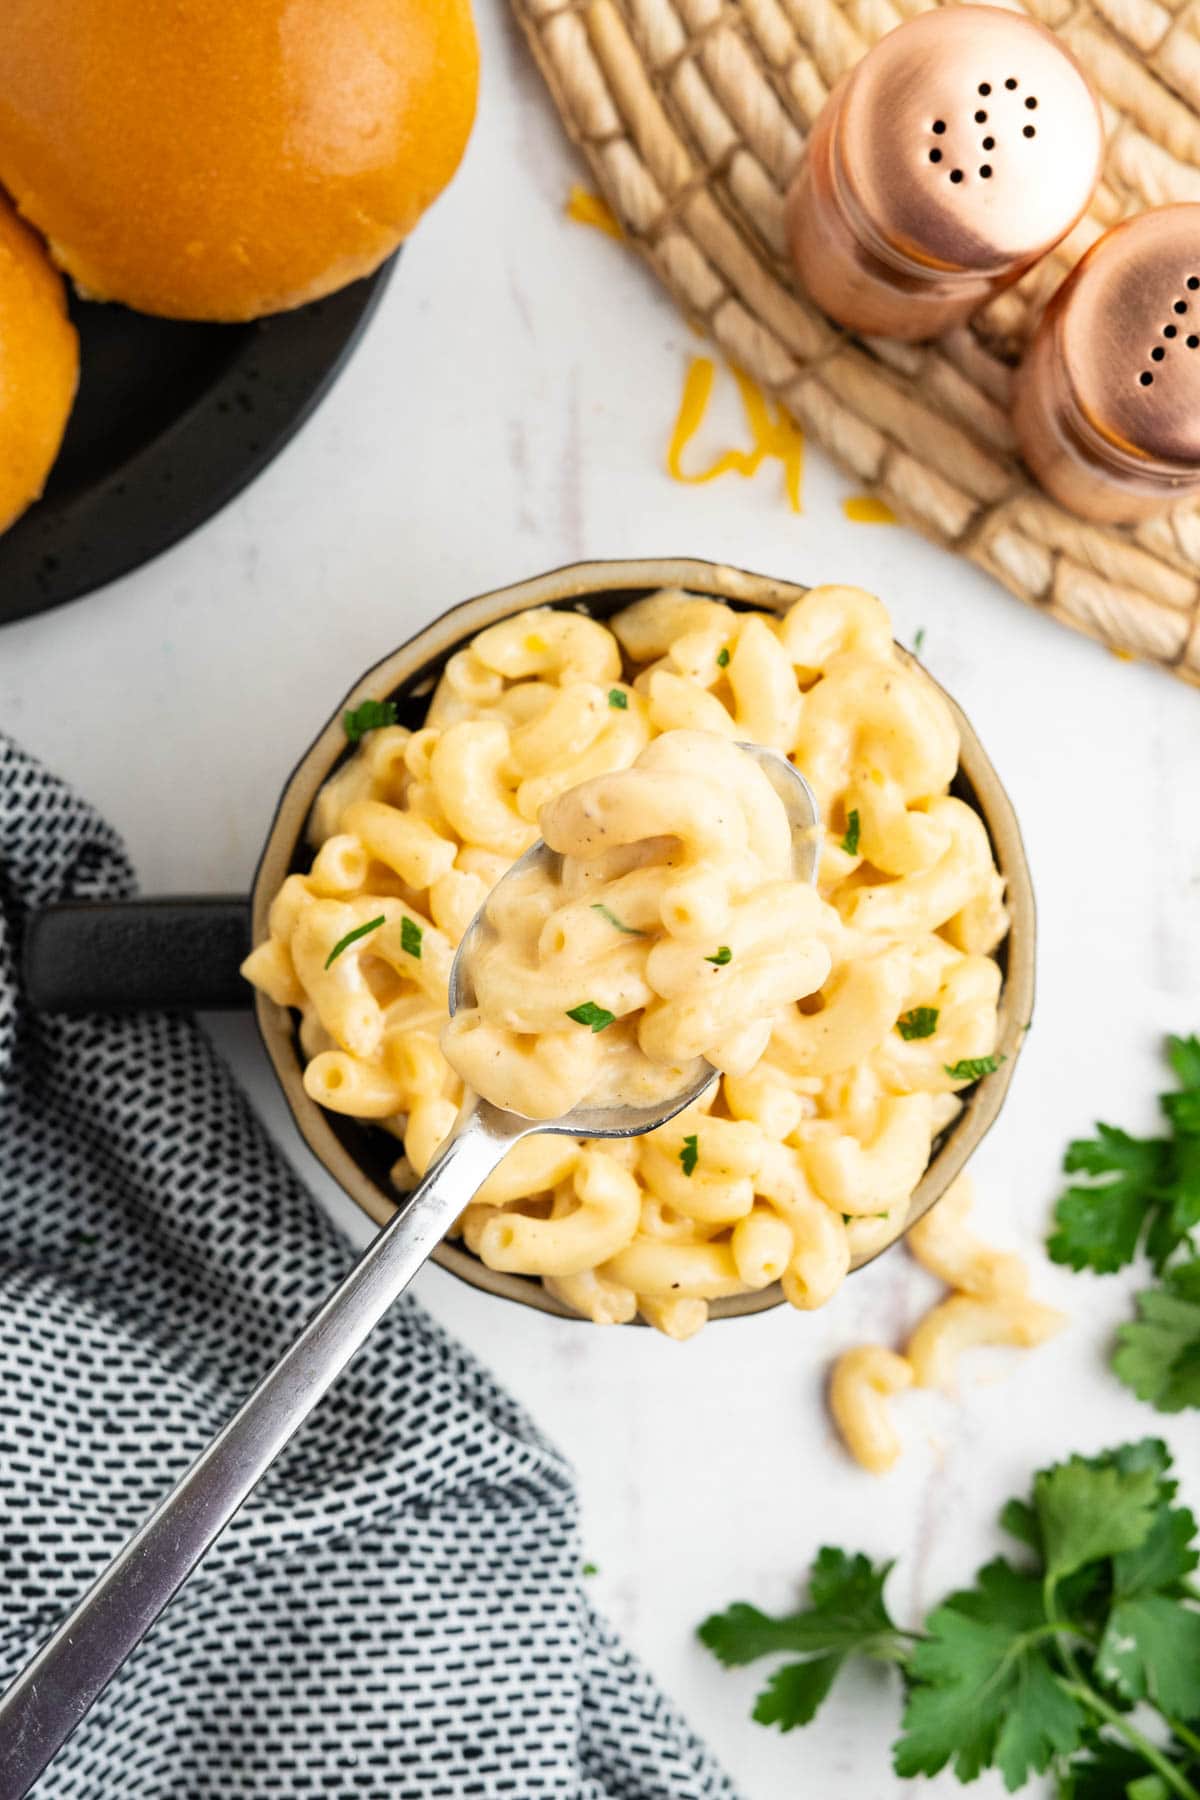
{"x":772,"y":432}
{"x":774,"y":436}
{"x":865,"y":509}
{"x":593,"y":210}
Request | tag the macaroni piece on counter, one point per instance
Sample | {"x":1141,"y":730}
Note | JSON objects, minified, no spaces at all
{"x":672,"y":933}
{"x":992,"y":1306}
{"x":807,"y":1152}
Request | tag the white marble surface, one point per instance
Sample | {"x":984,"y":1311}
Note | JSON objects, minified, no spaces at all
{"x":506,"y":413}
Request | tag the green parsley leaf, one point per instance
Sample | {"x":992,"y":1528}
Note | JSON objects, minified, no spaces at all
{"x":352,"y":937}
{"x":1183,"y":1054}
{"x":918,"y":640}
{"x":1144,"y":1192}
{"x":794,"y":1693}
{"x":591,"y":1014}
{"x":845,"y":1610}
{"x":1099,"y":1225}
{"x":689,"y":1156}
{"x":853,"y":833}
{"x":918,"y":1022}
{"x":985,"y":1690}
{"x":1148,"y":1787}
{"x":589,"y":1568}
{"x":369,"y":715}
{"x":1110,"y":1771}
{"x":617,"y":924}
{"x":973,"y":1068}
{"x":619,"y":698}
{"x":724,"y":955}
{"x":845,"y":1615}
{"x":1158,"y":1355}
{"x":410,"y":937}
{"x":1151,"y":1651}
{"x":1166,"y":1558}
{"x":1088,"y":1512}
{"x":1020,"y":1520}
{"x":723,"y":658}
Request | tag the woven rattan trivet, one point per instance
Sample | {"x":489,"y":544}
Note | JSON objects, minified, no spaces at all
{"x":693,"y":114}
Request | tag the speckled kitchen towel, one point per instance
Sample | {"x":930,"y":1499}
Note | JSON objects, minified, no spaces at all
{"x":397,"y":1610}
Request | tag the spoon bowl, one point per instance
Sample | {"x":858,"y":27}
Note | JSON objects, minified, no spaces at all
{"x":800,"y":805}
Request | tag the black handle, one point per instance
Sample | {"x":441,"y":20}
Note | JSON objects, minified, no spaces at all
{"x":120,"y":956}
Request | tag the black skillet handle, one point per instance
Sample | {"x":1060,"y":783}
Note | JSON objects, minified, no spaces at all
{"x":121,"y":956}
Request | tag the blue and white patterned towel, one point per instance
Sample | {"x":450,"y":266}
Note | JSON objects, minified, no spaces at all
{"x":397,"y":1611}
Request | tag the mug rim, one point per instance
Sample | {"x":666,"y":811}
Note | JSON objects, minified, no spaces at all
{"x":432,"y":645}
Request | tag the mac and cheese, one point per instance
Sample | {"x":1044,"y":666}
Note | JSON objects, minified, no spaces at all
{"x":670,"y":931}
{"x":841,"y":1068}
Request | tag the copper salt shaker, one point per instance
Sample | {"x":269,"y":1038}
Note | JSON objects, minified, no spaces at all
{"x":1107,"y":403}
{"x":954,"y":155}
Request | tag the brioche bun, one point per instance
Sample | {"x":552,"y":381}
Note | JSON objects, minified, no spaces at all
{"x":39,"y":365}
{"x":221,"y":159}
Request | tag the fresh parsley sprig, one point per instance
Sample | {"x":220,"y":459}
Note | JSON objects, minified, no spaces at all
{"x":617,"y":924}
{"x":597,"y":1017}
{"x":973,"y":1068}
{"x":917,"y":1022}
{"x":1036,"y":1665}
{"x":1141,"y":1196}
{"x":352,"y":937}
{"x":369,"y":715}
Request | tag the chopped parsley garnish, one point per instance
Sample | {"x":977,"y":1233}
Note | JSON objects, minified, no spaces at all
{"x":589,"y":1568}
{"x":918,"y":640}
{"x":689,"y":1156}
{"x":853,"y":831}
{"x":973,"y":1068}
{"x":1037,"y":1666}
{"x":591,"y":1014}
{"x":619,"y":698}
{"x":410,"y":937}
{"x":723,"y":659}
{"x":617,"y":924}
{"x":1142,"y":1196}
{"x":352,"y":937}
{"x":918,"y":1022}
{"x":724,"y":955}
{"x":369,"y":716}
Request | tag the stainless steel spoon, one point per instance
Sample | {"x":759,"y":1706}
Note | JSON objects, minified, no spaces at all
{"x":55,"y":1691}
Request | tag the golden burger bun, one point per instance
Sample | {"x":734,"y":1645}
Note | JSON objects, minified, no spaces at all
{"x":221,"y":159}
{"x":39,"y":365}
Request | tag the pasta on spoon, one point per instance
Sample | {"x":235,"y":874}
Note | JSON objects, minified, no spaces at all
{"x":672,"y":934}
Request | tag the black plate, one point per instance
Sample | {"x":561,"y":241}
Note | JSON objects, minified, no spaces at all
{"x":170,"y":422}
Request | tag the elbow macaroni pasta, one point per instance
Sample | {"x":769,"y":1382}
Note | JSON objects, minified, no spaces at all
{"x":990,"y":1305}
{"x":808,"y":1150}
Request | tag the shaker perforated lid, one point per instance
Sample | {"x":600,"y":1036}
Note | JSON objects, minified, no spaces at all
{"x":1127,"y":326}
{"x":968,"y":140}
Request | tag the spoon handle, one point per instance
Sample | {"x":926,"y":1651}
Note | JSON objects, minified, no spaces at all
{"x":49,"y":1699}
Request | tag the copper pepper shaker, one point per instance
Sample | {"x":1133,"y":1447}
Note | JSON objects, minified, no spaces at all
{"x":1107,"y":402}
{"x":954,"y":155}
